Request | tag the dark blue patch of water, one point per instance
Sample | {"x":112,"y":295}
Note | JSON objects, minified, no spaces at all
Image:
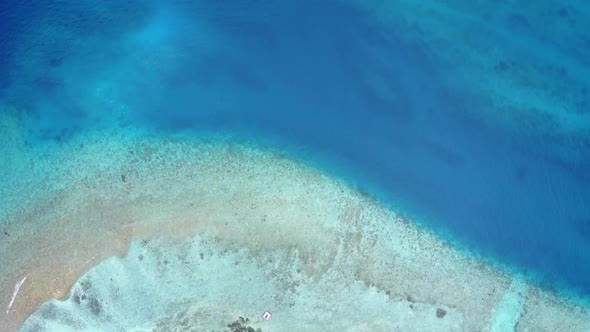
{"x":376,"y":108}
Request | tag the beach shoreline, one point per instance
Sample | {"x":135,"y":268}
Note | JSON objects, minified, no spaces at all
{"x":114,"y":190}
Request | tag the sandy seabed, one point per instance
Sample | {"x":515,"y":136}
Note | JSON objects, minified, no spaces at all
{"x":119,"y":232}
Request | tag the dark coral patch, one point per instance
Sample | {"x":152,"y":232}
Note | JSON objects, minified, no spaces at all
{"x":94,"y":306}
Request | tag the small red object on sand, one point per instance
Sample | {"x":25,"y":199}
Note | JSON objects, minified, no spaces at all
{"x":266,"y":315}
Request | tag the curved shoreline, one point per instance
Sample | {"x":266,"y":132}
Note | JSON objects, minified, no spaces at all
{"x":110,"y":189}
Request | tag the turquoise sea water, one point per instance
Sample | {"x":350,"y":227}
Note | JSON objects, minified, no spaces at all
{"x":473,"y":120}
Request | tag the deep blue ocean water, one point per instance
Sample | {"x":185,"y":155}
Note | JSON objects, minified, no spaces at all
{"x":363,"y":99}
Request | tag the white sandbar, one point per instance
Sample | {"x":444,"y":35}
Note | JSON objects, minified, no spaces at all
{"x":275,"y":235}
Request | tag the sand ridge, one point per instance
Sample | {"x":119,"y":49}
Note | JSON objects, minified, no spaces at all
{"x":108,"y":189}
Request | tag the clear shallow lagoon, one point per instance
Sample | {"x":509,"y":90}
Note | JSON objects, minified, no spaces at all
{"x":470,"y":119}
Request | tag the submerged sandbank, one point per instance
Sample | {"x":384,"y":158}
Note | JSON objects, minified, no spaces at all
{"x":316,"y":252}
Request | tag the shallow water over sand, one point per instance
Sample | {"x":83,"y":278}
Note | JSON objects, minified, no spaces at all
{"x":209,"y":232}
{"x":121,"y":122}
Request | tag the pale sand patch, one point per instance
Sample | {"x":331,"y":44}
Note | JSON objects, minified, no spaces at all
{"x":510,"y":308}
{"x":204,"y":284}
{"x":98,"y":196}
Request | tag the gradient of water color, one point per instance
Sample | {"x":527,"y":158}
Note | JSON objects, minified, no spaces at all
{"x":472,"y":118}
